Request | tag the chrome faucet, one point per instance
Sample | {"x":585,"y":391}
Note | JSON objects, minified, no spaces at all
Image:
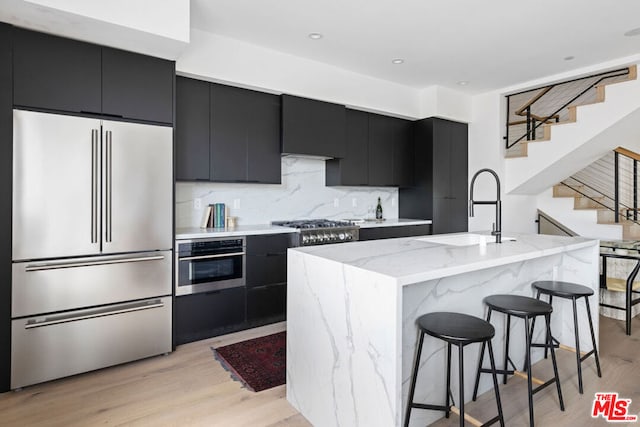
{"x":497,"y":226}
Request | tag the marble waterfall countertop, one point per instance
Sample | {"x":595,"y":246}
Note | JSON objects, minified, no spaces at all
{"x":352,"y":311}
{"x":417,"y":259}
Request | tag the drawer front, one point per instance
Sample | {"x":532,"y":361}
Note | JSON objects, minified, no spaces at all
{"x":46,"y":287}
{"x":266,"y":301}
{"x":203,"y":315}
{"x":50,"y":347}
{"x":267,"y":259}
{"x":394,"y":231}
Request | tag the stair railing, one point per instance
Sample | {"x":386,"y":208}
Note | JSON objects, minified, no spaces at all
{"x":611,"y":183}
{"x":551,"y":98}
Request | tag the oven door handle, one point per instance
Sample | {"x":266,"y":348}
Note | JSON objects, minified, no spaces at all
{"x":189,"y":258}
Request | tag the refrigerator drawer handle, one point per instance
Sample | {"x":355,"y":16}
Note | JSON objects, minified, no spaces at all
{"x":188,"y":258}
{"x":53,"y":266}
{"x":92,"y":316}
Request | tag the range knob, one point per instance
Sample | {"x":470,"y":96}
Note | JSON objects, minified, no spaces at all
{"x":305,"y":239}
{"x":333,"y":237}
{"x":325,"y":237}
{"x":342,"y":236}
{"x":312,"y":238}
{"x":349,"y":236}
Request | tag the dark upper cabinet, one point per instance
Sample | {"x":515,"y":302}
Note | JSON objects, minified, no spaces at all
{"x":312,"y":127}
{"x":353,"y":169}
{"x":440,"y":185}
{"x":137,"y":86}
{"x":55,"y":73}
{"x":244,"y":135}
{"x":226,"y":134}
{"x":192,"y":129}
{"x":379,"y":152}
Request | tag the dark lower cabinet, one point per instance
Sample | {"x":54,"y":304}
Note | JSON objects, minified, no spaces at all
{"x":376,"y":233}
{"x":208,"y":314}
{"x":6,"y":179}
{"x":137,"y":86}
{"x":267,"y":302}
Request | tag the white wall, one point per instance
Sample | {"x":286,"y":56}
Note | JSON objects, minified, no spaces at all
{"x":302,"y":195}
{"x":226,"y":60}
{"x":438,"y":101}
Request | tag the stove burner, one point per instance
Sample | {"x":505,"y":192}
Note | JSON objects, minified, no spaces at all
{"x":322,"y":231}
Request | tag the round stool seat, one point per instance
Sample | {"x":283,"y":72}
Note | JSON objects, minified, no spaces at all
{"x":457,"y":328}
{"x":562,"y":289}
{"x":518,"y":305}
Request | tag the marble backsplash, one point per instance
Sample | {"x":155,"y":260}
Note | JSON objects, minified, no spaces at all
{"x":302,"y":195}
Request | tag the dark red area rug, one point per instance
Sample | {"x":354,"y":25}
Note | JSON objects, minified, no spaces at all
{"x":259,"y":363}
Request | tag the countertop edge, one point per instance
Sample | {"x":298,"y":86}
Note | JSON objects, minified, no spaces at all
{"x":244,"y":230}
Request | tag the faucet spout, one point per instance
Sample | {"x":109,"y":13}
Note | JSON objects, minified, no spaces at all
{"x":497,"y":231}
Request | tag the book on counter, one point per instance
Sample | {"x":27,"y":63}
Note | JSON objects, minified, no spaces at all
{"x":214,"y":216}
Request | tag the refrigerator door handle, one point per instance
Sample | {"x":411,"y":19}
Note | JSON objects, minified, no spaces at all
{"x":56,"y":320}
{"x":90,"y":262}
{"x":109,"y":186}
{"x":94,"y":185}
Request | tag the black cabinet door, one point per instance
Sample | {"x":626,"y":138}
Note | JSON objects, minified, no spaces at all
{"x":267,"y":302}
{"x":267,"y":259}
{"x":403,"y":153}
{"x":442,"y":162}
{"x":459,"y":158}
{"x":137,"y":86}
{"x":205,"y":315}
{"x":381,"y":137}
{"x":192,"y":129}
{"x":55,"y":73}
{"x":228,"y":134}
{"x":263,"y":138}
{"x":312,"y":127}
{"x":353,"y":169}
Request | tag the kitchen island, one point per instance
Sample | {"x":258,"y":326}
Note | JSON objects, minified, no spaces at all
{"x":351,"y":311}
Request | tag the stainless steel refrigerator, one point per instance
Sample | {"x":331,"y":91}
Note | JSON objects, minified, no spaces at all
{"x":92,"y":238}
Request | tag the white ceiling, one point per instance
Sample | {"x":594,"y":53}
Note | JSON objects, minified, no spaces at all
{"x":491,"y":44}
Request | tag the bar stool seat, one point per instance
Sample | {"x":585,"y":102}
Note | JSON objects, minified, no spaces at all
{"x":572,"y":291}
{"x":527,"y":309}
{"x":460,"y":330}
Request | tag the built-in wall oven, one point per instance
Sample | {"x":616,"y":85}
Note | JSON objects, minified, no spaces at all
{"x":204,"y":265}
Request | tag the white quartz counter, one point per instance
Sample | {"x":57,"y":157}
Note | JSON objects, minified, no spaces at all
{"x":416,"y":259}
{"x":352,"y":311}
{"x":395,"y":222}
{"x":240,"y":230}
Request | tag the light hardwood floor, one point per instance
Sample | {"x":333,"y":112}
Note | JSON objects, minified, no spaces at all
{"x":189,"y":387}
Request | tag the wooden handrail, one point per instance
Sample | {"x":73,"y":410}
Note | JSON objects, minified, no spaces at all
{"x":520,"y":111}
{"x":628,"y":153}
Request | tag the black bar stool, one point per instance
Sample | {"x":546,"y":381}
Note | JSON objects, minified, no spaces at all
{"x":571,"y":291}
{"x":457,"y":329}
{"x":525,"y":308}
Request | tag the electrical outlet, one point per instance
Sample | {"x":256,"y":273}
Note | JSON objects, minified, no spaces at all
{"x":354,"y":202}
{"x":197,"y":203}
{"x":336,"y":203}
{"x":236,"y":203}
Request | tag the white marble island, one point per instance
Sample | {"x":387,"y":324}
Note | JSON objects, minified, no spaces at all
{"x":351,"y":311}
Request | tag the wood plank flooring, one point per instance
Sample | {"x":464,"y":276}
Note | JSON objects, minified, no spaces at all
{"x":190,"y":388}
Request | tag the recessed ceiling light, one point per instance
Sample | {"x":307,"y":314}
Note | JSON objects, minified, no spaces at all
{"x":398,"y":61}
{"x":569,"y":58}
{"x":634,"y":32}
{"x":315,"y":36}
{"x":463,"y":83}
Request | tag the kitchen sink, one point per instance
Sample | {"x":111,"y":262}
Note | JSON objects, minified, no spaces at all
{"x":469,"y":239}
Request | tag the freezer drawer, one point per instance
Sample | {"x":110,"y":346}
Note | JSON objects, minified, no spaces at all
{"x":50,"y":286}
{"x":49,"y":347}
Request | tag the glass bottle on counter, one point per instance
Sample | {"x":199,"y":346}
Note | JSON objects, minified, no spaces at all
{"x":379,"y":210}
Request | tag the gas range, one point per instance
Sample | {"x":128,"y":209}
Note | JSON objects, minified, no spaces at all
{"x":322,"y":231}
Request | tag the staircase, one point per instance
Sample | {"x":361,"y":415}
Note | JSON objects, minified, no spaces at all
{"x":567,"y":140}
